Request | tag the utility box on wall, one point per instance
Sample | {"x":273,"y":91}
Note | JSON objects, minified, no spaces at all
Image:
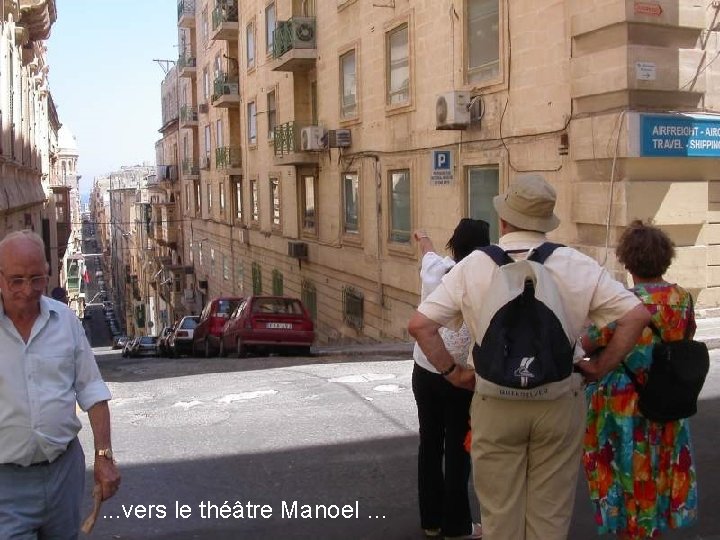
{"x":298,"y":250}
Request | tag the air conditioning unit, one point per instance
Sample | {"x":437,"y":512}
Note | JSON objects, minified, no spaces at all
{"x":299,"y":250}
{"x":339,"y":138}
{"x":452,"y":110}
{"x":203,"y":108}
{"x":311,"y":138}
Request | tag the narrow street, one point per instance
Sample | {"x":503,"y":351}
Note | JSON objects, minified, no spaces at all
{"x":337,"y":434}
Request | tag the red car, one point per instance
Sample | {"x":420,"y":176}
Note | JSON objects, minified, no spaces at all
{"x":206,"y":339}
{"x":264,"y":323}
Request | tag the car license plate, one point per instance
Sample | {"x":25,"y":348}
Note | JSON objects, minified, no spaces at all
{"x":279,"y":325}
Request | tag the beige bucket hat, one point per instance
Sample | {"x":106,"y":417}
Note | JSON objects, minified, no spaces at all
{"x":528,"y":204}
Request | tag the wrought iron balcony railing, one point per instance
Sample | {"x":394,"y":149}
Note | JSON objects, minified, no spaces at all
{"x":186,"y":7}
{"x":227,"y":157}
{"x":190,"y":167}
{"x":285,"y":138}
{"x":295,"y":33}
{"x":188,"y":114}
{"x":186,"y":60}
{"x":225,"y":85}
{"x":225,"y":11}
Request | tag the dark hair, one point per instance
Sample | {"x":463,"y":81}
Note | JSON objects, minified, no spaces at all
{"x":469,"y":235}
{"x":644,"y":250}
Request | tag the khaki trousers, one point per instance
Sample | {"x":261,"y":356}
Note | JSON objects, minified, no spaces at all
{"x":526,"y":458}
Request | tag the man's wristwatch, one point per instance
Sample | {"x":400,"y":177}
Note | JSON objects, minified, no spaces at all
{"x":106,"y":453}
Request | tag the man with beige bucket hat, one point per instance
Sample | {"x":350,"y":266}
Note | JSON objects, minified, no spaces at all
{"x":526,"y":447}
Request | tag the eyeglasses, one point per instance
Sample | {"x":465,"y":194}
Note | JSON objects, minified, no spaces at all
{"x":17,"y":284}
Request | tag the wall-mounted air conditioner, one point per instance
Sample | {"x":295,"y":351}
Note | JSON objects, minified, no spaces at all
{"x":299,"y":250}
{"x":452,"y":110}
{"x":203,"y":108}
{"x":311,"y":138}
{"x":339,"y":138}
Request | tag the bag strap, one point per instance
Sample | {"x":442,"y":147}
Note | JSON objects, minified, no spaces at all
{"x":497,"y":254}
{"x":502,"y":257}
{"x":691,"y":308}
{"x":543,"y":251}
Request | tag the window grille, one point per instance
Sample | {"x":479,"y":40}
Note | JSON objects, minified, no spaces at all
{"x":256,"y":278}
{"x":308,"y":295}
{"x":277,"y":282}
{"x":353,"y":307}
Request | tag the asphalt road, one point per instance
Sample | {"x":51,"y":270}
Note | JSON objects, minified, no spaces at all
{"x":297,"y":447}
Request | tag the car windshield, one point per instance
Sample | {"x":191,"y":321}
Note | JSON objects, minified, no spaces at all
{"x":189,"y":324}
{"x":277,"y":305}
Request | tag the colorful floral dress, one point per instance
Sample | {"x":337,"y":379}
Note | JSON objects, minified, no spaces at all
{"x":640,"y":473}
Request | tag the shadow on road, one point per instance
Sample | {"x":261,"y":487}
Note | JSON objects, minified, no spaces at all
{"x":115,"y":368}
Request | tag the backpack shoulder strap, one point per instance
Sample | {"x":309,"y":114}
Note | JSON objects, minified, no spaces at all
{"x":543,"y":251}
{"x":497,"y":254}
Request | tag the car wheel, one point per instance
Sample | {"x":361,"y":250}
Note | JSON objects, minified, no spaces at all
{"x":304,"y":351}
{"x":207,"y":349}
{"x":193,"y":350}
{"x":241,"y":349}
{"x":222,"y":353}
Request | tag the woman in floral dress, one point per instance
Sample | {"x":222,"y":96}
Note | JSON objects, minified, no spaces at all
{"x":640,"y":473}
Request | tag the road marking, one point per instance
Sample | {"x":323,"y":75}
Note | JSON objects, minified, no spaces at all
{"x":187,"y":404}
{"x":388,"y":388}
{"x":367,"y":377}
{"x":230,"y":398}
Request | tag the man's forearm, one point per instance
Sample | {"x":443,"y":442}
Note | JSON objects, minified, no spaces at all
{"x":99,"y":416}
{"x":627,"y":332}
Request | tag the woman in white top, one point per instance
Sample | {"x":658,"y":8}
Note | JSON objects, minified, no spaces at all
{"x":443,"y":409}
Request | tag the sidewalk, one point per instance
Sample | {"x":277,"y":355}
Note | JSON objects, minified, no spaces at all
{"x":708,"y":331}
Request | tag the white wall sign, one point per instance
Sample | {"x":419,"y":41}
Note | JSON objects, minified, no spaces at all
{"x":645,"y":71}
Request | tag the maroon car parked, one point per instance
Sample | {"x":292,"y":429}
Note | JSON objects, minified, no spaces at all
{"x":206,"y":339}
{"x":265,"y":323}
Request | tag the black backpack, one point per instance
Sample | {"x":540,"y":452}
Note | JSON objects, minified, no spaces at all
{"x":676,"y":376}
{"x":525,"y":344}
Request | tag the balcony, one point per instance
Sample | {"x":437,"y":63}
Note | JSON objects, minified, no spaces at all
{"x":226,"y":91}
{"x":294,"y":46}
{"x":228,"y":158}
{"x":225,"y":25}
{"x":190,"y":168}
{"x":187,"y":65}
{"x":186,"y":13}
{"x":188,"y":116}
{"x":167,"y":173}
{"x":287,"y":142}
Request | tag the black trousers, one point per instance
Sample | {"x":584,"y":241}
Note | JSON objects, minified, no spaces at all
{"x":444,"y":415}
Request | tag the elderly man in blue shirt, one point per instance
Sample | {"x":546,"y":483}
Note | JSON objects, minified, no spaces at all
{"x":47,"y":366}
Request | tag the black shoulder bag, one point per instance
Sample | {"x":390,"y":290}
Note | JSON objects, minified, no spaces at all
{"x":675,"y":378}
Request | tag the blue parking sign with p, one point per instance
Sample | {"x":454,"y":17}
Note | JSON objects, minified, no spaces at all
{"x":441,"y":159}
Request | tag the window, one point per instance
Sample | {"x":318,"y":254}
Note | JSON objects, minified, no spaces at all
{"x":275,"y":201}
{"x":483,"y":40}
{"x":250,"y":45}
{"x":483,"y":183}
{"x":271,"y":114}
{"x":277,"y":282}
{"x":270,"y":20}
{"x":308,"y":296}
{"x":187,"y":198}
{"x":218,"y":133}
{"x":212,"y":260}
{"x":207,"y":146}
{"x":198,"y":199}
{"x":217,"y":66}
{"x":209,"y":197}
{"x":308,"y":195}
{"x":206,"y":84}
{"x":398,"y":62}
{"x":353,"y":312}
{"x":256,"y":278}
{"x":254,"y":210}
{"x":400,"y":206}
{"x":236,"y":184}
{"x":221,"y":197}
{"x":252,"y":123}
{"x":226,"y":268}
{"x":351,"y":194}
{"x":204,"y":29}
{"x":348,"y":89}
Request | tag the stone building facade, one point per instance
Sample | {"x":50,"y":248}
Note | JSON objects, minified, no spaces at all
{"x":323,"y":137}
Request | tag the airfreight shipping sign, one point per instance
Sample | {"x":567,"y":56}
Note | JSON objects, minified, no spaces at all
{"x":681,"y":135}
